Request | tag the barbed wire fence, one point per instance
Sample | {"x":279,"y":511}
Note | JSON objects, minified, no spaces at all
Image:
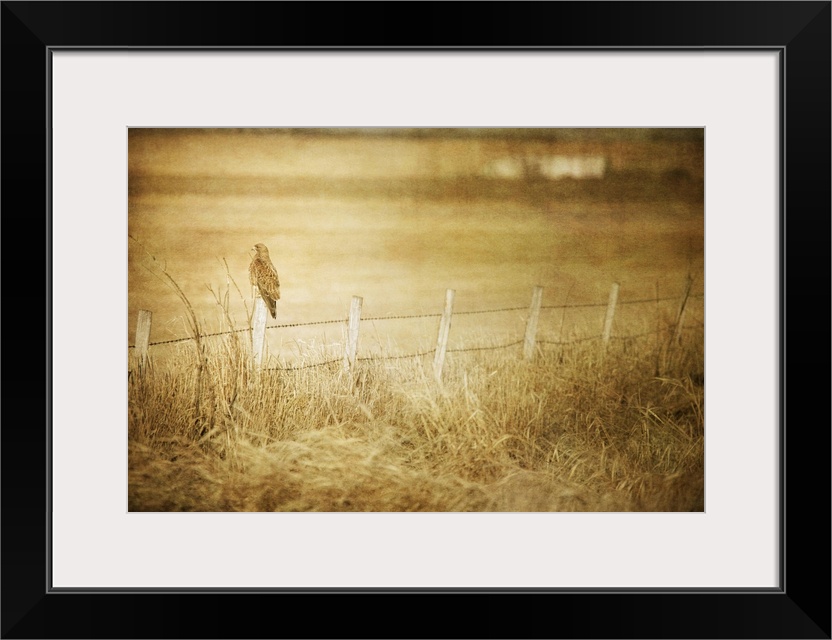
{"x":352,"y":325}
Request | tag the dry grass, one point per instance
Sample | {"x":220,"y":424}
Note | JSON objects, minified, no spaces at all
{"x":573,"y":430}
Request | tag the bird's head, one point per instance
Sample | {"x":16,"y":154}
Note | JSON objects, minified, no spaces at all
{"x":261,"y":249}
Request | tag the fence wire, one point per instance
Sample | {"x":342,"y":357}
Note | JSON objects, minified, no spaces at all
{"x":573,"y":341}
{"x":483,"y":348}
{"x":500,"y":346}
{"x":401,"y":356}
{"x":414,"y":316}
{"x":304,"y":366}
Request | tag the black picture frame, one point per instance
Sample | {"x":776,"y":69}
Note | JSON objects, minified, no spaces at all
{"x":799,"y":31}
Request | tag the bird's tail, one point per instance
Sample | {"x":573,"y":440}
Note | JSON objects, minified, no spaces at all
{"x":272,"y":304}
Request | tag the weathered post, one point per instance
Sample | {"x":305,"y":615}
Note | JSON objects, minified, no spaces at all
{"x":442,"y":338}
{"x":613,"y":300}
{"x":352,"y":332}
{"x":258,"y":331}
{"x":531,"y":325}
{"x":677,"y":334}
{"x":143,"y":336}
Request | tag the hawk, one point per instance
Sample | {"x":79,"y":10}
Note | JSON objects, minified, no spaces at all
{"x":263,"y":275}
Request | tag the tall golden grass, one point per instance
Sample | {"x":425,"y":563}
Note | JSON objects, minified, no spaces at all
{"x":577,"y":428}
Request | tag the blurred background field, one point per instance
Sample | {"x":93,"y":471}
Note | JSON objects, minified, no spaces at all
{"x":397,"y":217}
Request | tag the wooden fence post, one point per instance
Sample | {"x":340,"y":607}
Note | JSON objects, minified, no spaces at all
{"x":258,"y":331}
{"x":442,"y":338}
{"x":531,"y":325}
{"x":352,"y":332}
{"x":677,"y":334}
{"x":143,"y":336}
{"x":613,"y":300}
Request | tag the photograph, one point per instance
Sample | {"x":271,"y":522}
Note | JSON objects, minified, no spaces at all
{"x":382,"y":319}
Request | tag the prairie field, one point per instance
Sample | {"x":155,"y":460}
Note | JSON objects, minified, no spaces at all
{"x":583,"y":424}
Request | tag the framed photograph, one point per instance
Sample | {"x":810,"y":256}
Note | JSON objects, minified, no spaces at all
{"x":500,"y":313}
{"x":570,"y":258}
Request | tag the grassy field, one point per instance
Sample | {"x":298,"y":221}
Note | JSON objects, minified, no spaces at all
{"x":577,"y":428}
